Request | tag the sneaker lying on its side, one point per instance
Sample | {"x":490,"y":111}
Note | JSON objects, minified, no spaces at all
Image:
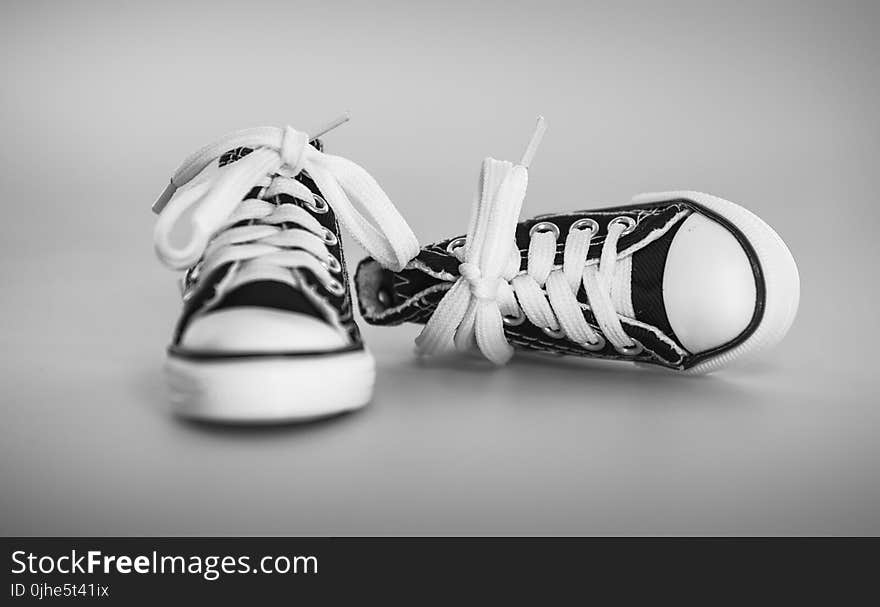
{"x":267,"y":332}
{"x":684,"y":280}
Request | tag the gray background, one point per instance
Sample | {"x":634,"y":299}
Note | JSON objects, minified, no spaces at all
{"x":773,"y":105}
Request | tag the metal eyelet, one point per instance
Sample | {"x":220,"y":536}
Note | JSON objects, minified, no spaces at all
{"x":628,"y":222}
{"x":514,"y":321}
{"x":596,"y":346}
{"x":333,"y":264}
{"x":455,"y":244}
{"x":335,"y":288}
{"x":632,"y":350}
{"x":384,"y":298}
{"x":329,"y":238}
{"x":544,"y":227}
{"x":554,"y":333}
{"x":583,"y":225}
{"x":320,"y":205}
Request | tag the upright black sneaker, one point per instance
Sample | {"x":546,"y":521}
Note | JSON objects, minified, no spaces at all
{"x":684,"y":280}
{"x":267,"y":332}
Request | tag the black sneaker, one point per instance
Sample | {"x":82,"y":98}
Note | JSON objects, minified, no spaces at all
{"x":684,"y":280}
{"x":267,"y":332}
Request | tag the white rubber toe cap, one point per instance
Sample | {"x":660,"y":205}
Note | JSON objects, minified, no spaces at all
{"x":780,"y":280}
{"x":708,"y":285}
{"x":253,"y":329}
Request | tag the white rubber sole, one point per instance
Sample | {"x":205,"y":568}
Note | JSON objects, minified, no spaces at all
{"x":270,"y":390}
{"x":781,"y":279}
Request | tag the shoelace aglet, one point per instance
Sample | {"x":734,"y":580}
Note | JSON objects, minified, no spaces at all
{"x":535,"y":141}
{"x":164,"y":197}
{"x":342,"y":119}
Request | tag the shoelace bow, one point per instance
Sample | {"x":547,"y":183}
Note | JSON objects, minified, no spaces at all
{"x":278,"y":155}
{"x":492,"y":291}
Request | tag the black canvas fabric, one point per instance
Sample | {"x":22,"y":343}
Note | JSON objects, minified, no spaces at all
{"x":413,"y":294}
{"x":268,"y":294}
{"x":648,"y":267}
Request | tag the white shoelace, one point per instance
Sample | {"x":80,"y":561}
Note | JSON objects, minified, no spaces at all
{"x":492,"y":291}
{"x":278,"y":156}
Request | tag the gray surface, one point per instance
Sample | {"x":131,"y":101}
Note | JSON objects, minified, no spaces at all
{"x":771,"y":105}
